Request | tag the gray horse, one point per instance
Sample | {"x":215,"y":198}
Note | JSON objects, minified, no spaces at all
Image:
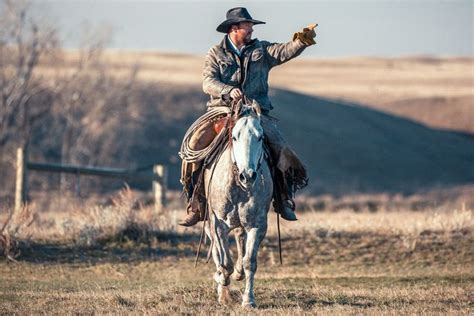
{"x":239,"y":189}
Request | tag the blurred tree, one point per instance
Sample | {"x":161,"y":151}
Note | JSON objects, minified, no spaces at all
{"x":22,"y":43}
{"x":65,"y":103}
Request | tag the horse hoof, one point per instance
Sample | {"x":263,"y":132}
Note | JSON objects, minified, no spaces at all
{"x":238,"y":275}
{"x":248,"y":301}
{"x":249,"y":305}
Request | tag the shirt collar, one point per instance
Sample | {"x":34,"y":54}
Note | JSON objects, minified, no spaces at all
{"x":234,"y":47}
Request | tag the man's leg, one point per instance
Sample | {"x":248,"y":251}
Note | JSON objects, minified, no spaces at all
{"x":191,"y":173}
{"x":290,"y":172}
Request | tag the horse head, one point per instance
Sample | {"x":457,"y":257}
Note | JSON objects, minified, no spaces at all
{"x":247,"y":144}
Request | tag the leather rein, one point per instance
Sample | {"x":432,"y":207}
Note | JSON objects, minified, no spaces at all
{"x":236,"y":114}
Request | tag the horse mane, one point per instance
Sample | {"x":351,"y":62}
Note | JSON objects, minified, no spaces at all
{"x":251,"y":107}
{"x":239,"y":110}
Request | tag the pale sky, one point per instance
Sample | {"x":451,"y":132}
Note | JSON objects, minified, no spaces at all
{"x":346,"y":28}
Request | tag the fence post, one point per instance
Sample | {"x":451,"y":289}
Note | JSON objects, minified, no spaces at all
{"x":159,"y":187}
{"x":78,"y":184}
{"x":21,"y":189}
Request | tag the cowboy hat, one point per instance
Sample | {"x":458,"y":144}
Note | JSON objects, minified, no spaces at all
{"x":234,"y":16}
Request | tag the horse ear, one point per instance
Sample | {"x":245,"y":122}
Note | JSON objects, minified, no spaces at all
{"x":256,"y":107}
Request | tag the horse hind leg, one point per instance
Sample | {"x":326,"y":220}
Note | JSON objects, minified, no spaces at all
{"x":240,"y":238}
{"x":254,"y":238}
{"x":222,"y":260}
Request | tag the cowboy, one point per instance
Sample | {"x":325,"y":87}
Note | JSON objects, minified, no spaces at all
{"x":238,"y":67}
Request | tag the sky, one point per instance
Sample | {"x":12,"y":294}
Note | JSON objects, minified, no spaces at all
{"x":346,"y":28}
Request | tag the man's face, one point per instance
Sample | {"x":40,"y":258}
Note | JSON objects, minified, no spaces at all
{"x":243,"y":32}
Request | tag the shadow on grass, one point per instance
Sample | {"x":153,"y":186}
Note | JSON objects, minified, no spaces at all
{"x":308,"y":301}
{"x":127,"y":247}
{"x":355,"y":249}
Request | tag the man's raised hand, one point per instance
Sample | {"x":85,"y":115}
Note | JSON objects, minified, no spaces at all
{"x":307,"y":35}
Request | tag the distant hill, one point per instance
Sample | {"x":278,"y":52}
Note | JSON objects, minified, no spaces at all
{"x":330,"y":111}
{"x":437,"y":91}
{"x":352,"y":147}
{"x":347,"y":147}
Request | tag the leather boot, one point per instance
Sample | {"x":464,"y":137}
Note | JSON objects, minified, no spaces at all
{"x":288,"y":210}
{"x":283,"y":197}
{"x":190,"y":180}
{"x":191,"y":219}
{"x":196,"y":210}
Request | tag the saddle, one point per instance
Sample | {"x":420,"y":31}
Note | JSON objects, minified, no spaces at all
{"x":195,"y":161}
{"x":220,"y":124}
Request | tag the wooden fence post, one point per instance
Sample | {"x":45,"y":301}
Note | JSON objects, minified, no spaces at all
{"x":21,"y":187}
{"x":77,"y":187}
{"x":159,"y":187}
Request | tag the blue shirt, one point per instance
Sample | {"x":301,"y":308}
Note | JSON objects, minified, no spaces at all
{"x":234,"y":47}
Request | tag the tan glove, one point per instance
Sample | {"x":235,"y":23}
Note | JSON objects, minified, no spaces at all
{"x":307,"y":36}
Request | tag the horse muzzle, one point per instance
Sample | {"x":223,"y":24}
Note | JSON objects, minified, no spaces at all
{"x":247,"y":177}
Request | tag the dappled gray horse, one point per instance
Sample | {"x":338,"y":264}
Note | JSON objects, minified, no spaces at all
{"x":239,"y":190}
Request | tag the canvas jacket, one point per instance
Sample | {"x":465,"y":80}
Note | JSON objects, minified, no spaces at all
{"x":225,"y":70}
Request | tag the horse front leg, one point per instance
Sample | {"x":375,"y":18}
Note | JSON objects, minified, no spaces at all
{"x":254,"y":238}
{"x":240,"y":238}
{"x":219,"y":234}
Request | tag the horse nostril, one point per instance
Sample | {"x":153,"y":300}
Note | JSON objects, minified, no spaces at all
{"x":253,"y":175}
{"x":242,"y":177}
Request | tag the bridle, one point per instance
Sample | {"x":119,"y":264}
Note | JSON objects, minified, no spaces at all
{"x":239,"y":111}
{"x":235,"y":169}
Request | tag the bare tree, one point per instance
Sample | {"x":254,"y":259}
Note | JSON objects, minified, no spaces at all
{"x":79,"y":104}
{"x":22,"y":43}
{"x":89,"y":99}
{"x":23,"y":99}
{"x":88,"y":102}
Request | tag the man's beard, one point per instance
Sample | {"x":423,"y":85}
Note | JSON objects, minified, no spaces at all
{"x":248,"y":39}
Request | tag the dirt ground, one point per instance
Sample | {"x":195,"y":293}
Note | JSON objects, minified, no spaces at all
{"x":333,"y":262}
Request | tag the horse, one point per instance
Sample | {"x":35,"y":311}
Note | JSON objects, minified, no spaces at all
{"x":239,"y":190}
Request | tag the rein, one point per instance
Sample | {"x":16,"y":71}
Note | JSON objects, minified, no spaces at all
{"x":235,"y":169}
{"x":238,"y":112}
{"x":220,"y":142}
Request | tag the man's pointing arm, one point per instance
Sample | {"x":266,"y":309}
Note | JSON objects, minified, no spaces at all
{"x":280,"y":53}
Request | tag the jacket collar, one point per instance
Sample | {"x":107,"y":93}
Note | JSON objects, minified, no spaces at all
{"x":226,"y":45}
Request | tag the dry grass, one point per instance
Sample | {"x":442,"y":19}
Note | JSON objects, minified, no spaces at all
{"x":134,"y":292}
{"x":124,"y":257}
{"x":88,"y":221}
{"x":402,"y":222}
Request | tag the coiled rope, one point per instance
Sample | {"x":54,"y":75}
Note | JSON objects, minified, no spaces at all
{"x":191,"y":155}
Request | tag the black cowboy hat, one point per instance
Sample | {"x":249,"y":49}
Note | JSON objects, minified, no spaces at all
{"x":234,"y":16}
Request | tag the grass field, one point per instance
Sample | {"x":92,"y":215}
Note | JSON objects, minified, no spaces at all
{"x":380,"y":253}
{"x":344,"y":261}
